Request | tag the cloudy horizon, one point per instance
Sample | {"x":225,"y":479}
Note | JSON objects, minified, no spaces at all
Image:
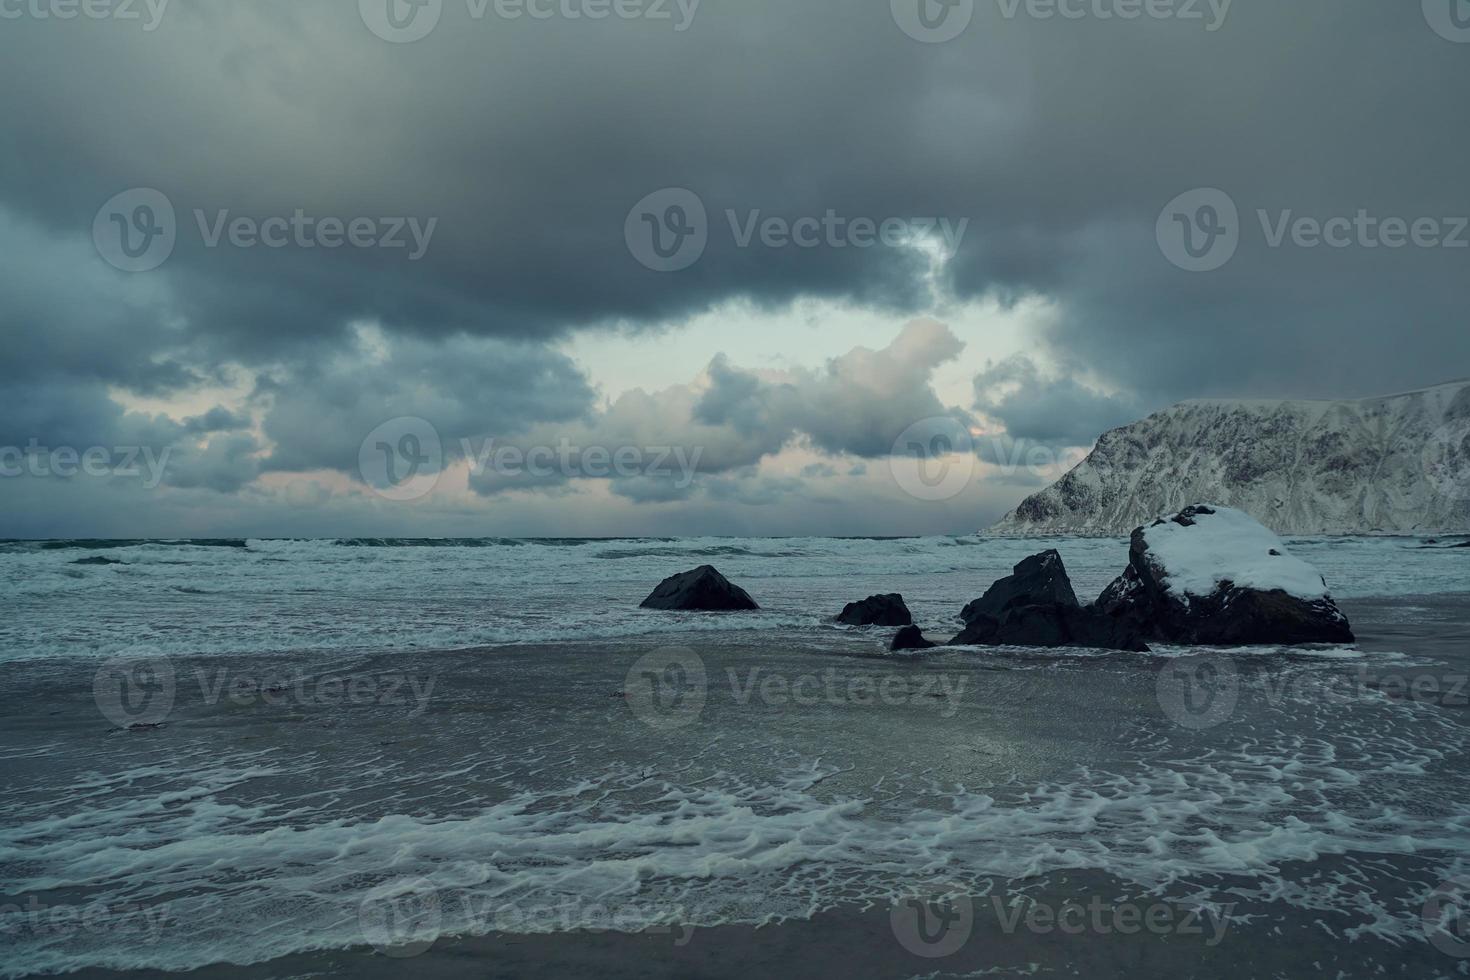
{"x":584,"y":268}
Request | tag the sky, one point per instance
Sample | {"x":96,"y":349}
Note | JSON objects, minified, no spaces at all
{"x":666,"y":267}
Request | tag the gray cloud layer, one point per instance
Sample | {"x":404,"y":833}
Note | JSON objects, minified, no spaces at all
{"x":1060,"y":140}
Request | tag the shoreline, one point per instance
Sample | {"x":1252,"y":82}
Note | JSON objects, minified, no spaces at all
{"x":1064,"y":924}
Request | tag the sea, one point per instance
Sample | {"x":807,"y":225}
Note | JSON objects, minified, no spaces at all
{"x":337,"y":756}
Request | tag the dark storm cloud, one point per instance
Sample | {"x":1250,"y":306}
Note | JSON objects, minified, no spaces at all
{"x":224,"y":464}
{"x":63,"y":316}
{"x":1050,"y":409}
{"x":466,"y":387}
{"x":1061,"y":140}
{"x":217,"y":419}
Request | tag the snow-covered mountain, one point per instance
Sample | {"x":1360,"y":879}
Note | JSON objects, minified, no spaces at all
{"x":1395,"y":464}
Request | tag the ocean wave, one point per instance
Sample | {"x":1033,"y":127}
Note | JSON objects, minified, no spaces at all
{"x":245,"y":876}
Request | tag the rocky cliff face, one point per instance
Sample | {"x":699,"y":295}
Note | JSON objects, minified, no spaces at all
{"x":1396,"y":464}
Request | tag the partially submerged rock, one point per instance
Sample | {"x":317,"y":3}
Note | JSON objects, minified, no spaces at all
{"x":1036,"y":607}
{"x":1037,"y":580}
{"x":877,"y":610}
{"x":910,"y":638}
{"x":1213,"y":576}
{"x":1052,"y":624}
{"x":703,"y":589}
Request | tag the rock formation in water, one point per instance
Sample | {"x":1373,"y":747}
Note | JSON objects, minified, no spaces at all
{"x":1214,"y":576}
{"x":704,"y":590}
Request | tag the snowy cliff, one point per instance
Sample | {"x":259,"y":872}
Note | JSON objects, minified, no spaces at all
{"x":1397,"y":464}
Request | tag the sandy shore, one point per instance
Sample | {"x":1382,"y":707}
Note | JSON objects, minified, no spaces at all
{"x":987,"y":941}
{"x":1071,"y":923}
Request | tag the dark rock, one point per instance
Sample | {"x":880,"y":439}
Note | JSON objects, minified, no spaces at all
{"x":1144,"y":598}
{"x":97,"y":560}
{"x":1052,"y":624}
{"x":704,"y":589}
{"x":910,"y":638}
{"x":1038,"y":580}
{"x":877,"y":610}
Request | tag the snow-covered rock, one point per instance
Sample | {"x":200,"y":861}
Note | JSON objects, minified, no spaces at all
{"x":1396,"y":464}
{"x":1215,"y":576}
